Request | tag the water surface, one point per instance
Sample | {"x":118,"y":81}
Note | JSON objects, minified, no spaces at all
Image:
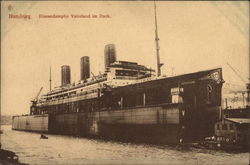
{"x":59,"y":149}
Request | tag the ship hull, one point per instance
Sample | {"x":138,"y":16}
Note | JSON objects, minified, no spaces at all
{"x":157,"y":124}
{"x":161,"y":124}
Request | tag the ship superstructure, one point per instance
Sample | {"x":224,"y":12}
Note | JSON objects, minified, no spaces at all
{"x":119,"y":73}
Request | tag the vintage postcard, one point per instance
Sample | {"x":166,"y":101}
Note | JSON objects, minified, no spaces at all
{"x":125,"y":82}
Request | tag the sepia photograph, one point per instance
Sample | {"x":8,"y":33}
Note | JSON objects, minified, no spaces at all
{"x":125,"y":82}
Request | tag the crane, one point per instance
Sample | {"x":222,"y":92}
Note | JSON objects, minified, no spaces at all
{"x":36,"y":98}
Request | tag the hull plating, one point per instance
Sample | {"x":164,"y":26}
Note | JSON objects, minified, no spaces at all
{"x":156,"y":124}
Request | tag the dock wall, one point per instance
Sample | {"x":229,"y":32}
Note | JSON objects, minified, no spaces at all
{"x":37,"y":123}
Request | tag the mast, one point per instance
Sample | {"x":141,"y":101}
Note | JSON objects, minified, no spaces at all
{"x":50,"y":78}
{"x":159,"y":65}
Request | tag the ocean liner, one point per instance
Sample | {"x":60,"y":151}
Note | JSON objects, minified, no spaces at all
{"x":128,"y":102}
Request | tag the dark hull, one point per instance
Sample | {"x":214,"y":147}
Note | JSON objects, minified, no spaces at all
{"x":162,"y":124}
{"x":157,"y":124}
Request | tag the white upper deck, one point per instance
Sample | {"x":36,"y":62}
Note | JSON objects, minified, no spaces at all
{"x":120,"y":73}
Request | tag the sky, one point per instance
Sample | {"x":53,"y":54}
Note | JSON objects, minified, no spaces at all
{"x":194,"y":36}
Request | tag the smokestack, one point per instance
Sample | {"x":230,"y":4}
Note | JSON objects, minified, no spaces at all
{"x":109,"y":55}
{"x":65,"y":72}
{"x":84,"y":65}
